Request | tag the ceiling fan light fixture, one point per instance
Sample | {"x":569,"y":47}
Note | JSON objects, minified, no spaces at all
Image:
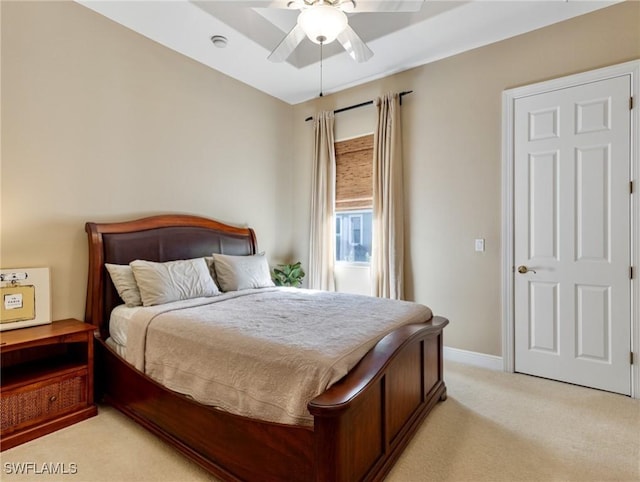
{"x":322,"y":23}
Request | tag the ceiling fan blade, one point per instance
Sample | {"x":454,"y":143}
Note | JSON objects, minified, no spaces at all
{"x":287,"y":45}
{"x":260,"y":3}
{"x":358,"y":6}
{"x":354,"y":45}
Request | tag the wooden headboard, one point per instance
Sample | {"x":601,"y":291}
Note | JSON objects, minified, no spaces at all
{"x":157,"y":238}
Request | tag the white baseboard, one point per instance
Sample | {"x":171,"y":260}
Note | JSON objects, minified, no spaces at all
{"x":482,"y":360}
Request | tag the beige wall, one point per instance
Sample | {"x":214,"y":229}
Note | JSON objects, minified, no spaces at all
{"x":102,"y":124}
{"x":99,"y":123}
{"x":452,"y":149}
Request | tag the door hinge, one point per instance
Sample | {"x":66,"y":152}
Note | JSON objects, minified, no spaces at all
{"x":630,"y":103}
{"x":630,"y":187}
{"x":630,"y":272}
{"x":631,"y":358}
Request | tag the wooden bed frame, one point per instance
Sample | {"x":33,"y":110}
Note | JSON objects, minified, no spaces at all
{"x":361,"y":424}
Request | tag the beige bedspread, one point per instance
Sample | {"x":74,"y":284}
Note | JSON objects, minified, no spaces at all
{"x":262,"y":353}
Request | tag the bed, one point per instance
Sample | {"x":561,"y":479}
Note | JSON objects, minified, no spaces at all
{"x":360,"y":424}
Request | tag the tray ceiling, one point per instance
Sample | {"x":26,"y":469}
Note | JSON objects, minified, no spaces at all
{"x":399,"y":41}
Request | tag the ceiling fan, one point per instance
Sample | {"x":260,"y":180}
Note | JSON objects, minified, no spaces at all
{"x":323,"y":21}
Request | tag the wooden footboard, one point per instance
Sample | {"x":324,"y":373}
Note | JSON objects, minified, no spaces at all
{"x":362,"y":423}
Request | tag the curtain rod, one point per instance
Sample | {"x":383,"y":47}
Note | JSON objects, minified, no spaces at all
{"x":362,"y":104}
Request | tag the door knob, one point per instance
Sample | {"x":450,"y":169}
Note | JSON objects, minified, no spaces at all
{"x":523,"y":269}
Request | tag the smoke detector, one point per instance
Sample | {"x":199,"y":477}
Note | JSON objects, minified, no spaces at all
{"x":219,"y":41}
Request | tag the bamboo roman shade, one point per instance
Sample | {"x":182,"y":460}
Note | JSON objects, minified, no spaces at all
{"x":354,"y":181}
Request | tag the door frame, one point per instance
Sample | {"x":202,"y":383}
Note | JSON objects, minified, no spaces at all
{"x":509,"y":97}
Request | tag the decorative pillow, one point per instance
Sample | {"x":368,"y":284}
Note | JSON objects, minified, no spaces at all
{"x":172,"y":281}
{"x":242,"y":272}
{"x":212,"y":269}
{"x":125,"y":283}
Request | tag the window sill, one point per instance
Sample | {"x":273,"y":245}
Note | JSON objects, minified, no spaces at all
{"x":353,"y":264}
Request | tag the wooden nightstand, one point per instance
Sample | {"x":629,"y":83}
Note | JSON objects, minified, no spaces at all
{"x":46,"y":379}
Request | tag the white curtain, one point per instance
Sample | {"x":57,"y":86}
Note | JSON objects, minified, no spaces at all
{"x":322,"y":249}
{"x":387,"y":257}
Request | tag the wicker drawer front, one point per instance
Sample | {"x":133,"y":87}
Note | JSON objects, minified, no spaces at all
{"x":25,"y":407}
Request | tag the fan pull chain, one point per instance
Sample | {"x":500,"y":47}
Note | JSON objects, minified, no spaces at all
{"x":321,"y":44}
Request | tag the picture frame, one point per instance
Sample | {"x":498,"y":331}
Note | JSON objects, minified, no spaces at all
{"x":25,"y":298}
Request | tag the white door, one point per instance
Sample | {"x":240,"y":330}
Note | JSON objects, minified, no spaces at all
{"x":572,"y":286}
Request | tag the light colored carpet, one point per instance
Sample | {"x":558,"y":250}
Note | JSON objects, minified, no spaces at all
{"x":493,"y":427}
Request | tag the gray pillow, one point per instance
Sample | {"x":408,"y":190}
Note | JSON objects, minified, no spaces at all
{"x":242,"y":272}
{"x":125,"y":283}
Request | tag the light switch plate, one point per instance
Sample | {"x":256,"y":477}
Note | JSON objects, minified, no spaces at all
{"x":480,"y":244}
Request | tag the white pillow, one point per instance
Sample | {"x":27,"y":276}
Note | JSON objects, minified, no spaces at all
{"x":172,"y":281}
{"x":242,"y":272}
{"x":125,"y":283}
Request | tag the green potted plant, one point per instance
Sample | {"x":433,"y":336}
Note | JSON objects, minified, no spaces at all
{"x":288,"y":275}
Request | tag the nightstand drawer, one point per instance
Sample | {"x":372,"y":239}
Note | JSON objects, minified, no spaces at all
{"x":33,"y":404}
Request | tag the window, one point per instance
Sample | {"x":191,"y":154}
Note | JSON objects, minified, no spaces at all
{"x":355,"y":228}
{"x":354,"y":199}
{"x":338,"y":238}
{"x":353,"y":236}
